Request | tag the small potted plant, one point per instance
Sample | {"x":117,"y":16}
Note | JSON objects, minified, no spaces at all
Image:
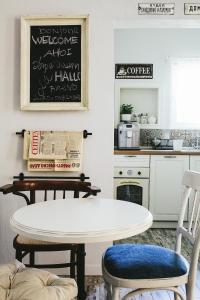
{"x":126,"y":112}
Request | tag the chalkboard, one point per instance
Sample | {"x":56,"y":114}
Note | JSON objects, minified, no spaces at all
{"x":57,"y":64}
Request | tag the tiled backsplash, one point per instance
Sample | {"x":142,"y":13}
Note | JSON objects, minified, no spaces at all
{"x":189,"y":137}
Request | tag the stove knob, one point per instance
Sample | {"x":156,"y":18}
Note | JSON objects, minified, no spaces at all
{"x":139,"y":173}
{"x":120,"y":172}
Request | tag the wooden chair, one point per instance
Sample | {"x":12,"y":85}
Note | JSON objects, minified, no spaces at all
{"x":30,"y":190}
{"x":148,"y":267}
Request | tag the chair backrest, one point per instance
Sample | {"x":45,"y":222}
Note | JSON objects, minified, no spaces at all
{"x":51,"y":187}
{"x":191,"y":229}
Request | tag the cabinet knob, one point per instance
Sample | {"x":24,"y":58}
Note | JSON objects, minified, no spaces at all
{"x":139,"y":173}
{"x":120,"y":172}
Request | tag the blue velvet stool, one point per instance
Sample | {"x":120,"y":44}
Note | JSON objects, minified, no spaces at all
{"x":140,"y":261}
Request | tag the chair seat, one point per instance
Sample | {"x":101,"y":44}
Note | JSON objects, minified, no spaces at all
{"x":20,"y":239}
{"x":23,"y":242}
{"x":20,"y":283}
{"x":140,"y":261}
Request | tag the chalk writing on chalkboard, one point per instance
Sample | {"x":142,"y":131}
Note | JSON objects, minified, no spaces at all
{"x":55,"y":63}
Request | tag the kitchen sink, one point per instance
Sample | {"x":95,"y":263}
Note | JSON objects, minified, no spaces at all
{"x":150,"y":149}
{"x":184,"y":149}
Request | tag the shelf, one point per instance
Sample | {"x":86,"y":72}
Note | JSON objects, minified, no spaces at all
{"x":144,"y":98}
{"x":149,"y":126}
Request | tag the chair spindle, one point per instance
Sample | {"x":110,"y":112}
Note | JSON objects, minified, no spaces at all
{"x":45,"y":195}
{"x":196,"y":219}
{"x":32,"y":196}
{"x":193,"y":212}
{"x":76,"y":194}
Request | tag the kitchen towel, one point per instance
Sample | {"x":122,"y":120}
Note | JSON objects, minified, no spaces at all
{"x":53,"y":150}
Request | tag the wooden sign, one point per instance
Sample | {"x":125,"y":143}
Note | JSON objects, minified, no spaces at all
{"x":134,"y":71}
{"x":192,"y":8}
{"x":54,"y":63}
{"x":156,"y":8}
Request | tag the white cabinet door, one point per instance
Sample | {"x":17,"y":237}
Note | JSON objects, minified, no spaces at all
{"x":195,"y":163}
{"x":166,"y":174}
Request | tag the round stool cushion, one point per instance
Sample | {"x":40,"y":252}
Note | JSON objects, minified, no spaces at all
{"x":140,"y":261}
{"x":20,"y":283}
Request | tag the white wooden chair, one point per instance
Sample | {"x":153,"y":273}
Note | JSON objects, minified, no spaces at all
{"x":147,"y":267}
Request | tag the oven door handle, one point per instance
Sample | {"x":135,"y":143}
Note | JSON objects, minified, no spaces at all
{"x":130,"y":182}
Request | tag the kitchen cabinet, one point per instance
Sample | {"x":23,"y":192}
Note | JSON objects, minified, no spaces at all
{"x":195,"y":163}
{"x":166,"y":173}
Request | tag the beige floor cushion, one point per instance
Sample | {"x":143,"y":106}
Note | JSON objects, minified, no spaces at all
{"x":20,"y":283}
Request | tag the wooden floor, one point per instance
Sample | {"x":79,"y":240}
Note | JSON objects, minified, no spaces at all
{"x":98,"y":293}
{"x":162,"y":237}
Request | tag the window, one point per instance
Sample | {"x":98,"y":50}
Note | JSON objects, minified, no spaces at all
{"x":185,"y":93}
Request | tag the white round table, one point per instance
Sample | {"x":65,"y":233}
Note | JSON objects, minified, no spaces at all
{"x":84,"y":220}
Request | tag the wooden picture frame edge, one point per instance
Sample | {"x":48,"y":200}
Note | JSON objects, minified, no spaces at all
{"x":26,"y":22}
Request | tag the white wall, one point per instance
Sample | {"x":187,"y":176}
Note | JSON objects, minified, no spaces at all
{"x":99,"y":119}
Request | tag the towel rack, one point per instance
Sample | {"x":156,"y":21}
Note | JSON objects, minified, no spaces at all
{"x":85,"y":133}
{"x":21,"y":176}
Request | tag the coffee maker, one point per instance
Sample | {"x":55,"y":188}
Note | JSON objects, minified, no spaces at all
{"x":128,"y":136}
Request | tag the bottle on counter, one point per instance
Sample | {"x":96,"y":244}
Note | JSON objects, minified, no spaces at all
{"x":134,"y":118}
{"x":143,"y":119}
{"x":146,"y":118}
{"x":138,"y":118}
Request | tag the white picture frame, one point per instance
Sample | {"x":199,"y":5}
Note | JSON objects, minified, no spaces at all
{"x":54,"y":63}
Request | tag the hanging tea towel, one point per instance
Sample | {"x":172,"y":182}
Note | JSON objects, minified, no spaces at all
{"x":53,"y":150}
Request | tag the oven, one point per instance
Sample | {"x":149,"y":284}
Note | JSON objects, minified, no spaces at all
{"x":131,"y":180}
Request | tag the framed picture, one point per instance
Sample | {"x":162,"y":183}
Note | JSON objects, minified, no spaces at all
{"x":54,"y":63}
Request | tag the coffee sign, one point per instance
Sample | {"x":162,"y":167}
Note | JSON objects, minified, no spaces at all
{"x":134,"y":71}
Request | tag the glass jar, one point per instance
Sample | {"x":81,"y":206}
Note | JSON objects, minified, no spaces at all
{"x":143,"y":119}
